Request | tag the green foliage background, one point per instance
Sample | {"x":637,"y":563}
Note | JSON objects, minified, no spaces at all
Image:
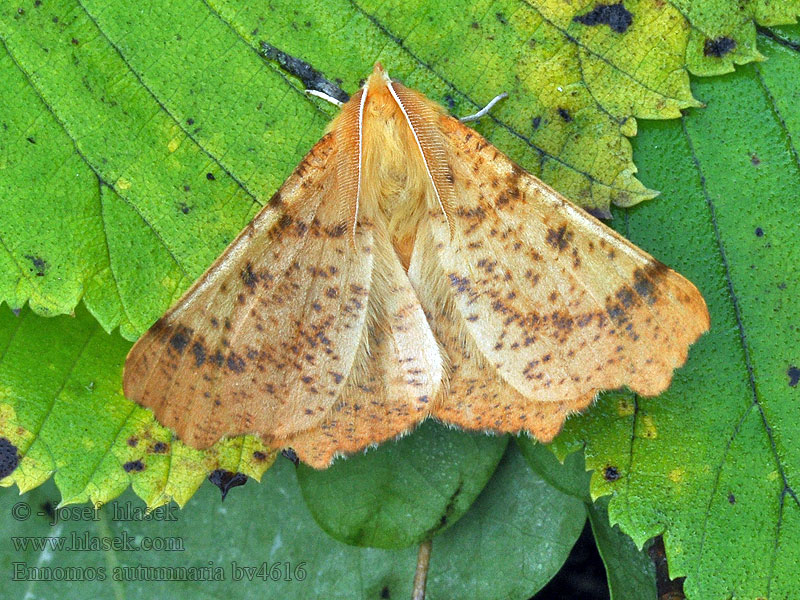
{"x":136,"y":140}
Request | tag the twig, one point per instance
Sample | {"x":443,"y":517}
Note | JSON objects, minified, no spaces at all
{"x":421,"y":576}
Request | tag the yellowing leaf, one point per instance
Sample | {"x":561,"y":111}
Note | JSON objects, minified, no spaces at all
{"x":62,"y":412}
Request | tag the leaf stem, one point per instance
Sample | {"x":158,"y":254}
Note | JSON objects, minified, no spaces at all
{"x":421,"y":576}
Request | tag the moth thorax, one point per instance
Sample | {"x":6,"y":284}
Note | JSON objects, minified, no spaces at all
{"x":394,"y":178}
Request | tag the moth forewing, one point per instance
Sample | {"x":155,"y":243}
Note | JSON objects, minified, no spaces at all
{"x":279,"y":316}
{"x":559,"y":304}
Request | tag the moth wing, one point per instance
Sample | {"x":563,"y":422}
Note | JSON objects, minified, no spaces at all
{"x":265,"y":340}
{"x":476,"y":396}
{"x":395,"y":379}
{"x":558,"y":305}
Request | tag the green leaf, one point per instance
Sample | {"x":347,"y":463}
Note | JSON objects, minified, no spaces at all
{"x":62,"y":412}
{"x":509,"y":545}
{"x":712,"y":463}
{"x":629,"y":570}
{"x":159,"y":132}
{"x":403,"y":492}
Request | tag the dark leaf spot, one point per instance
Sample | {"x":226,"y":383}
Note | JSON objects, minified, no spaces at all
{"x":536,"y":122}
{"x":133,"y":441}
{"x":731,"y":498}
{"x":611,"y":473}
{"x":9,"y":459}
{"x":38,"y":263}
{"x":794,"y":375}
{"x":616,"y":16}
{"x":225,"y":480}
{"x":502,"y":18}
{"x":718,"y":47}
{"x":564,"y":114}
{"x":160,"y":447}
{"x":759,"y":232}
{"x":133,"y":466}
{"x":210,"y":177}
{"x":259,"y":456}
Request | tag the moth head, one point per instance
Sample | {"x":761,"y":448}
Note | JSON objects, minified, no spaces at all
{"x":378,"y":76}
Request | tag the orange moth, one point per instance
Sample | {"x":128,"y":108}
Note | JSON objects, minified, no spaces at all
{"x":407,"y":269}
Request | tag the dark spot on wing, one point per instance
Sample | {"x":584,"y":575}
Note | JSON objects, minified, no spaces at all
{"x":559,"y":238}
{"x":461,"y":284}
{"x":336,"y":232}
{"x":235,"y":363}
{"x":248,"y":277}
{"x":217,"y":358}
{"x":625,"y":296}
{"x":199,"y":352}
{"x":285,"y":221}
{"x":180,"y":339}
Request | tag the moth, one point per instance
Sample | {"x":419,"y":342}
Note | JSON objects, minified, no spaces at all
{"x":408,"y":269}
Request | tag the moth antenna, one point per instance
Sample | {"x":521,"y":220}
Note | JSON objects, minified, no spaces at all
{"x":485,"y":110}
{"x":360,"y":161}
{"x":325,"y":96}
{"x":450,"y":224}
